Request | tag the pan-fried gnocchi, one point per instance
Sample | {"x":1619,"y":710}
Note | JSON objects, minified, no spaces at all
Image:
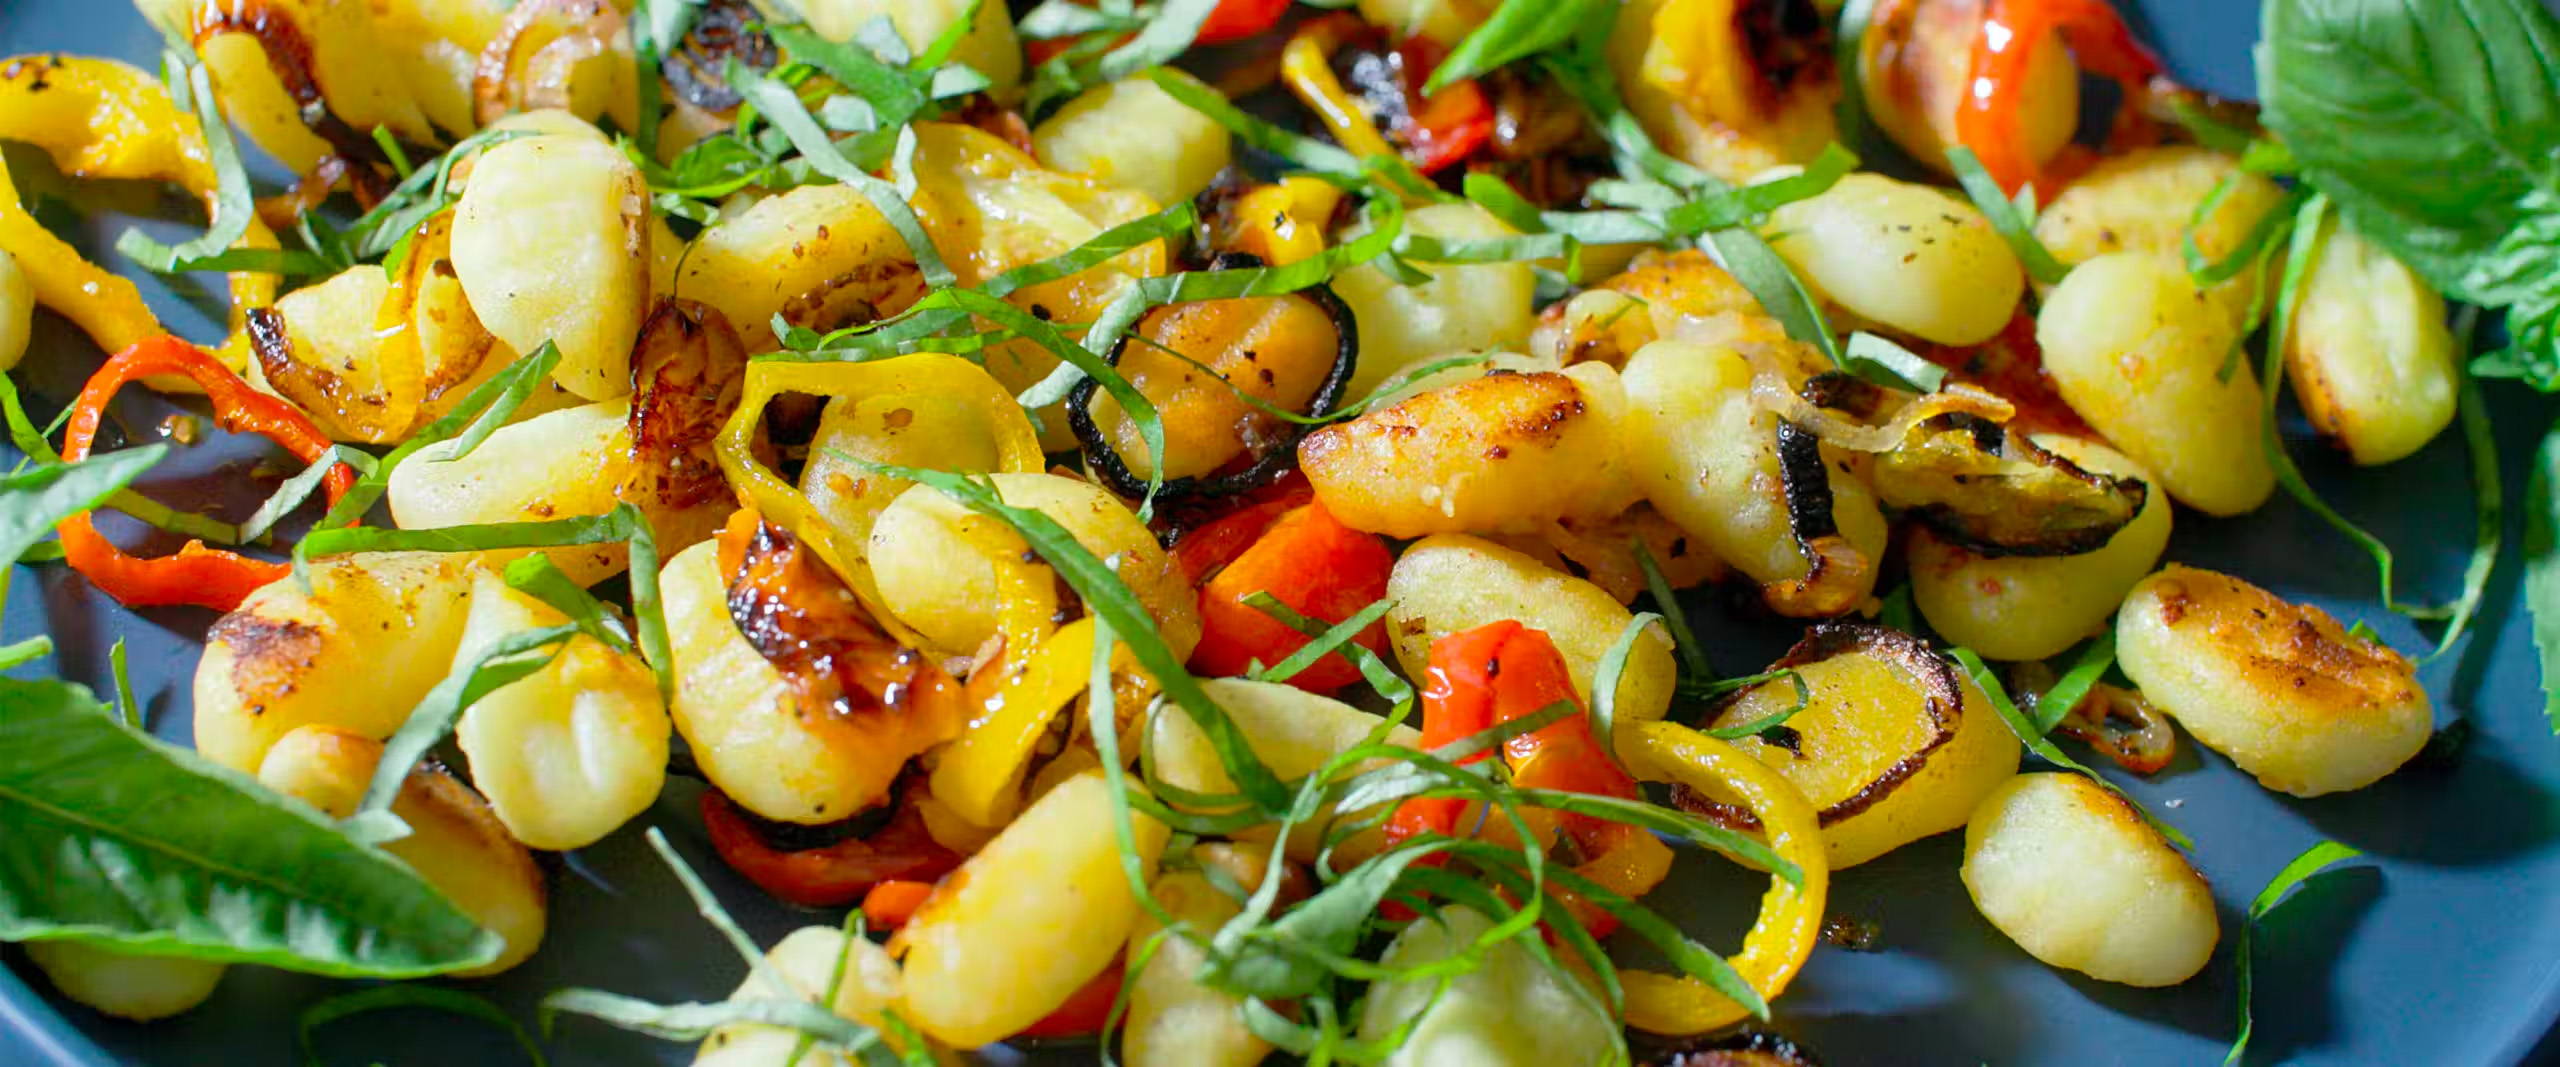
{"x":2140,"y":352}
{"x":1916,"y":259}
{"x":571,"y":752}
{"x":2147,"y":201}
{"x":2369,"y":354}
{"x":578,"y":276}
{"x":1224,"y":555}
{"x":1708,"y":460}
{"x":356,"y":649}
{"x":1502,"y":453}
{"x":984,"y":959}
{"x":947,"y":571}
{"x":454,"y":839}
{"x":1464,"y":308}
{"x":2280,"y":688}
{"x":2071,"y":873}
{"x":1182,"y":152}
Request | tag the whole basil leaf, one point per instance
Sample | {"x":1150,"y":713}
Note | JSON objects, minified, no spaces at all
{"x":2430,"y":122}
{"x":117,"y":839}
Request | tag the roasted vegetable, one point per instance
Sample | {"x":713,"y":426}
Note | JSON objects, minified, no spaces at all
{"x":1997,"y":493}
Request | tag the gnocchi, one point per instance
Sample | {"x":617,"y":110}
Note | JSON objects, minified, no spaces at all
{"x":293,"y":656}
{"x":1182,"y":151}
{"x":1506,"y":452}
{"x":2139,"y":351}
{"x":578,"y":278}
{"x":17,"y":310}
{"x":2280,"y":688}
{"x":2073,"y":874}
{"x":984,"y":958}
{"x":2369,"y":354}
{"x":568,"y":754}
{"x":1918,"y":260}
{"x":1708,"y":459}
{"x":1463,"y":308}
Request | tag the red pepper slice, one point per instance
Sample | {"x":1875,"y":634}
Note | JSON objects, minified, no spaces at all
{"x":888,"y":905}
{"x":208,"y":577}
{"x":1448,"y":126}
{"x":1987,"y":118}
{"x":1086,"y":1011}
{"x":833,"y":875}
{"x":1501,"y":672}
{"x":1235,"y":20}
{"x":1315,"y":565}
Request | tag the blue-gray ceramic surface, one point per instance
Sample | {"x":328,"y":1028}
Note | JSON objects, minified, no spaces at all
{"x":2443,"y":947}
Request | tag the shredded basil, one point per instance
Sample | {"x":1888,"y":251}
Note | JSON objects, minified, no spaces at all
{"x":2014,"y":220}
{"x":2044,"y":747}
{"x":2302,"y":868}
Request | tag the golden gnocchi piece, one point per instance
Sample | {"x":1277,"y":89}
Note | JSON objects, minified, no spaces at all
{"x":356,"y":650}
{"x":1893,"y":743}
{"x":745,"y":723}
{"x":455,"y":841}
{"x":946,"y":571}
{"x":2031,"y":607}
{"x":1710,"y":460}
{"x":2280,"y":688}
{"x":1513,"y":1010}
{"x":559,"y":465}
{"x":2146,"y":200}
{"x":1028,"y":920}
{"x":1181,"y":152}
{"x":572,"y":751}
{"x":2073,"y":874}
{"x":1505,"y":452}
{"x":1918,"y":260}
{"x":124,"y":984}
{"x":2369,"y":353}
{"x":1174,"y":1020}
{"x":867,"y":986}
{"x":820,"y":256}
{"x":1472,"y":307}
{"x":1449,"y":583}
{"x":2138,"y":350}
{"x":551,"y":241}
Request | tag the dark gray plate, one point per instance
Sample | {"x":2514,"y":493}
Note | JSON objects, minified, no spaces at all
{"x":2443,"y":948}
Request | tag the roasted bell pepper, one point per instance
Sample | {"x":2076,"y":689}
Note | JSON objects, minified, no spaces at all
{"x":922,"y":374}
{"x":890,"y":904}
{"x":1317,"y":567}
{"x":98,"y":118}
{"x":1498,"y":673}
{"x":1987,"y":118}
{"x":1790,"y":912}
{"x":832,"y":875}
{"x":208,"y":577}
{"x":1086,"y":1011}
{"x":1447,"y":126}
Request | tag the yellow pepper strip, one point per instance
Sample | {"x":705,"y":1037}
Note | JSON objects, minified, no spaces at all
{"x":1284,"y":222}
{"x":99,"y":118}
{"x":980,"y":775}
{"x":920,"y":374}
{"x":1306,"y":66}
{"x":1790,"y":915}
